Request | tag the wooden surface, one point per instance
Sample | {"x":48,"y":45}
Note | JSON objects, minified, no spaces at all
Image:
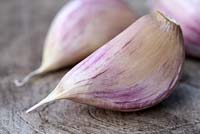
{"x":23,"y":26}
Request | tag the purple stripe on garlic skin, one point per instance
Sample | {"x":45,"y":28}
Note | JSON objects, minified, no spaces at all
{"x":136,"y":70}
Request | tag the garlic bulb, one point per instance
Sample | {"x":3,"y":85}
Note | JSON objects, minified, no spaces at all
{"x":136,"y":70}
{"x":79,"y":29}
{"x":186,"y":13}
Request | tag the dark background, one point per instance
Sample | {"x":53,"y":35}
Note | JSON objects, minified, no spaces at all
{"x":23,"y":27}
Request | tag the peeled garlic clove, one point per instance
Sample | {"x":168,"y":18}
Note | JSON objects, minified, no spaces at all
{"x":79,"y":29}
{"x":136,"y":70}
{"x":186,"y":12}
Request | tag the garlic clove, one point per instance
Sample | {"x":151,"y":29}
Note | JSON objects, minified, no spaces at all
{"x":136,"y":70}
{"x":79,"y":29}
{"x":186,"y":12}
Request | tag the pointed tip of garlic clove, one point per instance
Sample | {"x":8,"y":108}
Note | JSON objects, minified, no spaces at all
{"x":35,"y":106}
{"x":56,"y":94}
{"x":20,"y":83}
{"x":42,"y":102}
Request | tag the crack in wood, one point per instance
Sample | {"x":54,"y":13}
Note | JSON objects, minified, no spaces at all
{"x":57,"y":126}
{"x":30,"y":125}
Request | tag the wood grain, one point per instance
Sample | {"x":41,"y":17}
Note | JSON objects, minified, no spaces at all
{"x":23,"y":26}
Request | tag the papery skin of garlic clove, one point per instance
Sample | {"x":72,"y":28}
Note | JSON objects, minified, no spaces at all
{"x":186,"y":13}
{"x":135,"y":70}
{"x":79,"y":29}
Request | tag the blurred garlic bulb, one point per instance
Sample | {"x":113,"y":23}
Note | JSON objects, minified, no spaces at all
{"x":136,"y":70}
{"x":79,"y":29}
{"x":186,"y":13}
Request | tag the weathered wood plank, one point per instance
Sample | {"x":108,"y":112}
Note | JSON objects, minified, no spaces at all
{"x":23,"y":25}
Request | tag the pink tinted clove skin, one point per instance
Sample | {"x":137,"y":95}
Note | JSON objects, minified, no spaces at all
{"x":186,"y":13}
{"x":81,"y":27}
{"x":136,"y":70}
